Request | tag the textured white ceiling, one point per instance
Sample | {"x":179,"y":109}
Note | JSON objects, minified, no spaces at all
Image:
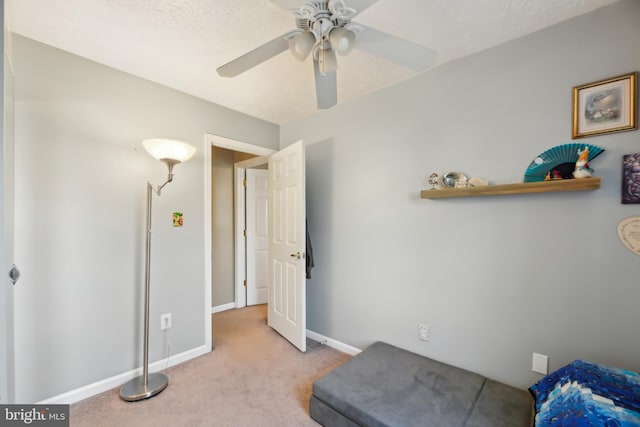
{"x":180,"y":43}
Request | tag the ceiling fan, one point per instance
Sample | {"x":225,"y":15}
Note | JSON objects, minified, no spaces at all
{"x":324,"y":28}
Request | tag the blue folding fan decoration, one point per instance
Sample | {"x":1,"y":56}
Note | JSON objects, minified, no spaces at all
{"x":559,"y":160}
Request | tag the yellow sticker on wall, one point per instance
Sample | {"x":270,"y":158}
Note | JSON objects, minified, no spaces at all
{"x":177,"y":219}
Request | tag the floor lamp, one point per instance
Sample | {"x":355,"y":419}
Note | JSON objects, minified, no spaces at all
{"x":171,"y":153}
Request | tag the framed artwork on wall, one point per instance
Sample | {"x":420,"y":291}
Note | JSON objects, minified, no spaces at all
{"x":631,"y":179}
{"x":178,"y":220}
{"x":605,"y":106}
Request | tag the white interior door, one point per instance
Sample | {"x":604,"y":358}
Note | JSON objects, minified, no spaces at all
{"x":6,"y":225}
{"x":257,"y":223}
{"x":287,"y":234}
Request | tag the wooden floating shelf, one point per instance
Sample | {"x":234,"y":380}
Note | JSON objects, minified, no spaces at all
{"x":584,"y":184}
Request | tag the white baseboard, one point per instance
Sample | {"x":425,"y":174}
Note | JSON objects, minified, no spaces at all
{"x":223,"y":307}
{"x":81,"y":393}
{"x":340,"y":346}
{"x":98,"y":387}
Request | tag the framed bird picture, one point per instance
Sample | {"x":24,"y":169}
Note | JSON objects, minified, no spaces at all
{"x":605,"y":106}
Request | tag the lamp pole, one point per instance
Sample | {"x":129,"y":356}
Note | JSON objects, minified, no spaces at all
{"x":148,"y":385}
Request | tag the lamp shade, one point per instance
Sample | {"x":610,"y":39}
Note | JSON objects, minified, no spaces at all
{"x":301,"y":45}
{"x":342,"y":40}
{"x":169,"y":149}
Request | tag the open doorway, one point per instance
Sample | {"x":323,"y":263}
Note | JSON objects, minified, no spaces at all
{"x":229,"y":160}
{"x":286,"y":230}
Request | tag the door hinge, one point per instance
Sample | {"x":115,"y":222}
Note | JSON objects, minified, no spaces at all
{"x":244,"y":182}
{"x":244,"y":282}
{"x":244,"y":233}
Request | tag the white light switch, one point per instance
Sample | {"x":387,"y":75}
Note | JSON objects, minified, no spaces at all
{"x":540,"y":363}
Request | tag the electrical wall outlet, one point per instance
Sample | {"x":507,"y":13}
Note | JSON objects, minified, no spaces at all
{"x":424,"y":334}
{"x":540,"y":364}
{"x":165,"y":321}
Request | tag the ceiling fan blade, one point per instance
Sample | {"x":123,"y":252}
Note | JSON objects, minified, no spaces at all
{"x":326,"y":87}
{"x":256,"y":56}
{"x":394,"y":49}
{"x":359,"y":5}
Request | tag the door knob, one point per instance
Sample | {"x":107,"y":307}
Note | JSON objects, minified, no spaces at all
{"x":296,"y":255}
{"x":14,"y":274}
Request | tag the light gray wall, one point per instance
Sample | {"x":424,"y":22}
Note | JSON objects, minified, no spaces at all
{"x":222,"y":230}
{"x":81,"y":178}
{"x":495,"y":278}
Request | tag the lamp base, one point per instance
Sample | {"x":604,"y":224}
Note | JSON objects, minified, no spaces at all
{"x":135,"y":389}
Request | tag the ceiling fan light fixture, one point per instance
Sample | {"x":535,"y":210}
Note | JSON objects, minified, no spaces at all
{"x":324,"y":29}
{"x":302,"y":44}
{"x":342,"y":40}
{"x":327,"y":60}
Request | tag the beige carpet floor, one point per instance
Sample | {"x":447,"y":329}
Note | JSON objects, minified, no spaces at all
{"x":253,"y":377}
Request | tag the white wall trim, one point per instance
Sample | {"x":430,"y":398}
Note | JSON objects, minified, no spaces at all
{"x":240,"y":256}
{"x":208,"y":337}
{"x":101,"y":386}
{"x":340,"y":346}
{"x":117,"y":380}
{"x":253,"y":162}
{"x":232,"y":144}
{"x":223,"y":307}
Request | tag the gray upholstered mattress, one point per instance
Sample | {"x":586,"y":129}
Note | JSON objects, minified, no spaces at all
{"x":388,"y":386}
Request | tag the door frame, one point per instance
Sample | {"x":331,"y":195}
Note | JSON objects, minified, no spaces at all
{"x":7,"y":255}
{"x":239,"y":172}
{"x":211,"y":140}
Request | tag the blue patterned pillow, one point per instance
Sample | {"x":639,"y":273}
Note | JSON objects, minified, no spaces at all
{"x":587,"y":394}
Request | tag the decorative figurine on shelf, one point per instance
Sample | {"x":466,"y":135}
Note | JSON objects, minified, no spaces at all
{"x":561,"y":162}
{"x":433,"y":180}
{"x":461,"y":182}
{"x":553,"y":175}
{"x":477,"y":182}
{"x":582,"y":169}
